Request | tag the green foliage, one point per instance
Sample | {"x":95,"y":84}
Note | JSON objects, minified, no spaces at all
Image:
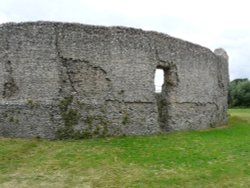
{"x":239,"y":93}
{"x":125,"y":118}
{"x":209,"y":158}
{"x":11,"y":119}
{"x":31,"y":104}
{"x":11,"y":116}
{"x":96,"y":126}
{"x":64,"y":103}
{"x":70,"y":118}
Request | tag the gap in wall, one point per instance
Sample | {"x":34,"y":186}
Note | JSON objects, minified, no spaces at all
{"x":158,"y":80}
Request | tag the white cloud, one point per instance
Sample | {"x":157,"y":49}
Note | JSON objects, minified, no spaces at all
{"x":3,"y":18}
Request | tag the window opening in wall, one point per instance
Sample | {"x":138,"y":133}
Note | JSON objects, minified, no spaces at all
{"x":158,"y":80}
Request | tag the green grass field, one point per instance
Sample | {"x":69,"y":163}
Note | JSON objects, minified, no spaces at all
{"x":210,"y":158}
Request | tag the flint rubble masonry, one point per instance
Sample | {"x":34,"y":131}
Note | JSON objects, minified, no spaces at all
{"x":65,"y":80}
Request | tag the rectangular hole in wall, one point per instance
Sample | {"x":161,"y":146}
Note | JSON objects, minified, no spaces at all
{"x":158,"y":80}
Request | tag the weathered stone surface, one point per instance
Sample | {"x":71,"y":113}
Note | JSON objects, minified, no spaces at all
{"x":62,"y":80}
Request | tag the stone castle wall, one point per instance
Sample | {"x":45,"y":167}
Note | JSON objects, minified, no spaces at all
{"x":61,"y":80}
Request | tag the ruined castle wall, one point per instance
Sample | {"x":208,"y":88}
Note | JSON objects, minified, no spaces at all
{"x":197,"y":98}
{"x":70,"y":80}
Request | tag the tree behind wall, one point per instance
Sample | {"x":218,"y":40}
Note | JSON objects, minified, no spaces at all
{"x":239,"y":93}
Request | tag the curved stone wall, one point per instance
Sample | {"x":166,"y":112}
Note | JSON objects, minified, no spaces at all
{"x":63,"y":80}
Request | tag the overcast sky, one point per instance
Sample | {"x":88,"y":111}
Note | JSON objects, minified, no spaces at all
{"x":211,"y":23}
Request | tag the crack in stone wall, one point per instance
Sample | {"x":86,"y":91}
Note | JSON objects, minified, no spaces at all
{"x":73,"y":67}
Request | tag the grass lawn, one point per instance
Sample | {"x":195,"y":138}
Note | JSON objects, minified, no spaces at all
{"x":211,"y":158}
